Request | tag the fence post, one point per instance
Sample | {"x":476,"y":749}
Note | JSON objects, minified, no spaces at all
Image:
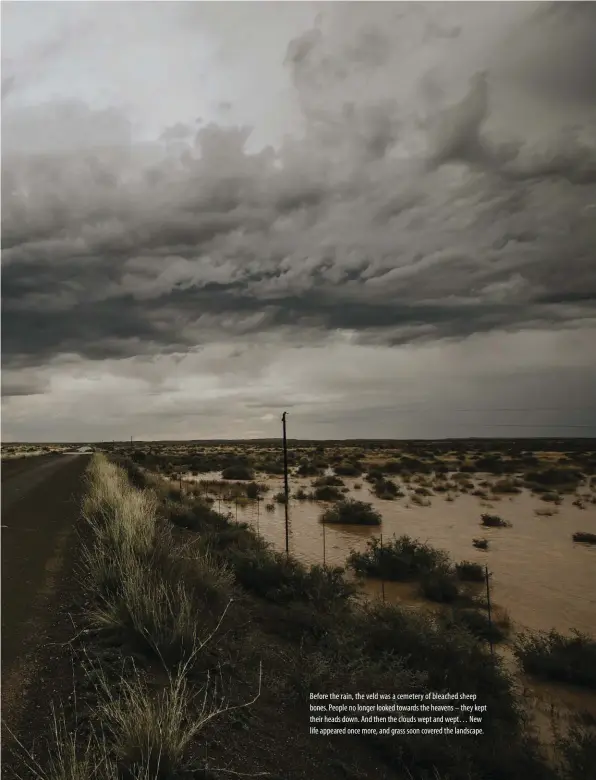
{"x":382,"y":569}
{"x":324,"y":551}
{"x":490,"y":622}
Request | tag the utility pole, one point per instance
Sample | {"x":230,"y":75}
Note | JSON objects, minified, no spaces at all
{"x":490,"y":622}
{"x":286,"y":485}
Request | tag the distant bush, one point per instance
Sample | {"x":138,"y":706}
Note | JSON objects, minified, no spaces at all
{"x":481,"y":544}
{"x":329,"y":481}
{"x":348,"y":469}
{"x":553,"y":656}
{"x":238,"y":472}
{"x":280,"y":497}
{"x":351,"y":512}
{"x":308,"y":469}
{"x":551,"y":497}
{"x":387,"y":489}
{"x":327,"y":493}
{"x":252,"y":490}
{"x":494,"y":521}
{"x":506,"y":486}
{"x":584,"y":536}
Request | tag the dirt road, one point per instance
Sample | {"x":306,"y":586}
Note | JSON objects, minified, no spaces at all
{"x":40,"y":504}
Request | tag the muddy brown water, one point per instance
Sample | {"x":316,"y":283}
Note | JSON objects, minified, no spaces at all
{"x":539,"y":575}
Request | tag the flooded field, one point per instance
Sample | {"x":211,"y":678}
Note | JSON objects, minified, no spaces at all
{"x":539,"y":575}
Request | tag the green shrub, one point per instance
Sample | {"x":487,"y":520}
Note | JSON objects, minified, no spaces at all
{"x":352,"y":512}
{"x":439,"y":584}
{"x":401,"y":559}
{"x":478,"y":624}
{"x":469,"y":571}
{"x":327,"y":493}
{"x":238,"y":472}
{"x":553,"y":656}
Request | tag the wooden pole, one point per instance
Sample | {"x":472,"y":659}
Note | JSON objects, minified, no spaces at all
{"x":382,"y":570}
{"x":490,"y":623}
{"x":324,"y":555}
{"x":286,"y":483}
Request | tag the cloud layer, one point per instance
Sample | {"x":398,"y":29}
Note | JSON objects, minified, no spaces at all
{"x":440,"y":182}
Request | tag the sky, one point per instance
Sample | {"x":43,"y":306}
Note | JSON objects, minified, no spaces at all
{"x":380,"y":217}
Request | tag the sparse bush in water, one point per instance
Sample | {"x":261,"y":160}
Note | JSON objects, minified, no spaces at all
{"x":270,"y":507}
{"x":327,"y":493}
{"x":387,"y":489}
{"x":553,"y":656}
{"x":252,"y":490}
{"x":478,"y":624}
{"x":301,"y":494}
{"x":351,"y":512}
{"x":280,"y":497}
{"x":553,"y":498}
{"x":401,"y":559}
{"x":239,"y":471}
{"x":481,"y":544}
{"x":469,"y":571}
{"x":494,"y":521}
{"x":329,"y":481}
{"x":348,"y":469}
{"x":275,"y":577}
{"x":307,"y":469}
{"x":439,"y":584}
{"x":585,"y":537}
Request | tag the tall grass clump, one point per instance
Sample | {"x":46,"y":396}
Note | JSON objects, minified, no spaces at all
{"x":144,"y":588}
{"x":151,"y":731}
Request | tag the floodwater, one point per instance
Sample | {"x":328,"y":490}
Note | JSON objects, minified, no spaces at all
{"x":539,"y":575}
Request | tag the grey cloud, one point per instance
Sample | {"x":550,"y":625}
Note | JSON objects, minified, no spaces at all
{"x":388,"y":216}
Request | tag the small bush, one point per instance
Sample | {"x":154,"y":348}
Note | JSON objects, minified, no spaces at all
{"x":401,"y":559}
{"x":252,"y":490}
{"x":280,"y":497}
{"x":494,"y":521}
{"x":553,"y":656}
{"x":506,"y":486}
{"x":439,"y":584}
{"x":387,"y":489}
{"x":238,"y":472}
{"x":348,"y":469}
{"x":478,"y":624}
{"x":327,"y":493}
{"x":352,"y":512}
{"x":585,"y":537}
{"x":469,"y":571}
{"x":481,"y":544}
{"x":330,"y":481}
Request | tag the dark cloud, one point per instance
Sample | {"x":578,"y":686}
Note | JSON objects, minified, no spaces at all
{"x":395,"y":216}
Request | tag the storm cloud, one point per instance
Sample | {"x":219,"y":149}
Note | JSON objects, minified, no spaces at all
{"x":435,"y":182}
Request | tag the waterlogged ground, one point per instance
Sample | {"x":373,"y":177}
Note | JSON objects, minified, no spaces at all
{"x":539,"y":575}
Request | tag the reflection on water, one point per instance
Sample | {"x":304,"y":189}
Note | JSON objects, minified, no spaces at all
{"x":540,"y":575}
